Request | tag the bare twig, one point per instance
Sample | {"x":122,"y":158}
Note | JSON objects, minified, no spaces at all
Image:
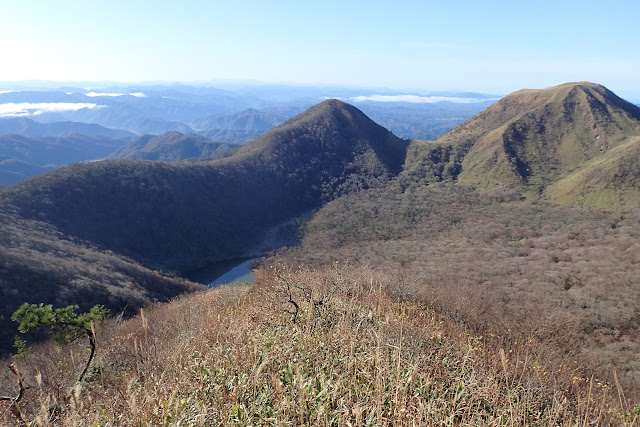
{"x":292,"y":301}
{"x":17,"y":398}
{"x":15,"y":409}
{"x":92,"y":343}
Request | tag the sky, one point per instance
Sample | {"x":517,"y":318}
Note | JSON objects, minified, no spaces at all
{"x":491,"y":47}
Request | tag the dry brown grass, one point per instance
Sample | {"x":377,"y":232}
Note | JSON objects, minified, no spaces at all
{"x":565,"y":276}
{"x":309,"y":348}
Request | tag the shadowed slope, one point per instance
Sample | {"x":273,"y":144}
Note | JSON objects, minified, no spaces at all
{"x":332,"y":128}
{"x":182,"y":216}
{"x":185,"y":215}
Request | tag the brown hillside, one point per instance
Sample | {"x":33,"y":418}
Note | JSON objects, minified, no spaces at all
{"x":351,"y":355}
{"x":533,"y":138}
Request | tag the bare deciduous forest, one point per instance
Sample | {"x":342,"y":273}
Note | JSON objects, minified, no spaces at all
{"x":499,"y":265}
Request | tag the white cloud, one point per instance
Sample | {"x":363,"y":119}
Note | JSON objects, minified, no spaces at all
{"x":93,"y":94}
{"x":415,"y":99}
{"x":6,"y":91}
{"x":136,"y":94}
{"x":28,"y":108}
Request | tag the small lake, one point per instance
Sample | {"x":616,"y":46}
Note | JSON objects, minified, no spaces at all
{"x":220,"y":273}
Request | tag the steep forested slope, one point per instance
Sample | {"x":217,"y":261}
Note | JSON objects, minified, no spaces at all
{"x":181,"y":216}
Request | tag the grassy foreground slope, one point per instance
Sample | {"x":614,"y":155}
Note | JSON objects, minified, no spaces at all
{"x":310,"y":348}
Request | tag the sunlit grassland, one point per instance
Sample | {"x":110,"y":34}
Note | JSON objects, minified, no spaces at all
{"x":311,"y":348}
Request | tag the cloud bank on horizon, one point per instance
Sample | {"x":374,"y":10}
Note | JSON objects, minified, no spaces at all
{"x":416,"y":99}
{"x":113,"y":94}
{"x":34,"y":109}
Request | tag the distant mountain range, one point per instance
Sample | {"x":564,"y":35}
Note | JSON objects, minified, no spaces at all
{"x":27,"y":156}
{"x":29,"y":148}
{"x":27,"y":127}
{"x":13,"y":170}
{"x":235,"y":115}
{"x":425,"y":121}
{"x":171,"y":147}
{"x":237,"y":127}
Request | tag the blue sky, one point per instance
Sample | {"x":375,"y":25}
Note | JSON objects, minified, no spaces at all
{"x":490,"y":46}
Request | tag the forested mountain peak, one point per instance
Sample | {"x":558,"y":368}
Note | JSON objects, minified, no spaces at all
{"x":183,"y":216}
{"x":335,"y":127}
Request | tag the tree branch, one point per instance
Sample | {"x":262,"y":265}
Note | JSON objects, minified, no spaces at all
{"x":92,"y":343}
{"x":15,"y":409}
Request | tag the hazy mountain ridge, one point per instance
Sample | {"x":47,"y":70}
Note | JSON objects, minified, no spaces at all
{"x":51,"y":151}
{"x":27,"y":127}
{"x":249,"y":119}
{"x":35,"y":148}
{"x":161,"y":108}
{"x":237,"y":127}
{"x":150,"y":107}
{"x":13,"y":170}
{"x":427,"y":121}
{"x":171,"y":147}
